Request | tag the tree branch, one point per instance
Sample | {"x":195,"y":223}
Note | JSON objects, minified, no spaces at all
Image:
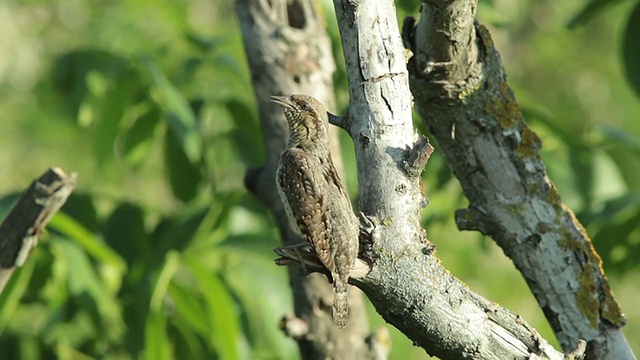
{"x":289,"y":52}
{"x":461,"y":93}
{"x":21,"y":229}
{"x":407,"y":285}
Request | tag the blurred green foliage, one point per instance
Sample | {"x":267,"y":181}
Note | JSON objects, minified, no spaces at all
{"x":161,"y":253}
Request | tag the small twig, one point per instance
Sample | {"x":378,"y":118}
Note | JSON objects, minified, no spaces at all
{"x":339,"y":121}
{"x":310,"y":263}
{"x":416,"y":158}
{"x":21,"y":229}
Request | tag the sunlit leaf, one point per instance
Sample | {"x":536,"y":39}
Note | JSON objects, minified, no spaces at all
{"x":138,"y":140}
{"x":109,"y":117}
{"x":157,"y":343}
{"x":172,"y":261}
{"x":188,"y":305}
{"x":71,"y":229}
{"x":613,"y":207}
{"x":592,"y":9}
{"x":85,"y":284}
{"x":264,"y":311}
{"x":184,"y":177}
{"x":179,"y":114}
{"x":13,"y":293}
{"x":609,"y":135}
{"x":205,"y":44}
{"x":222,"y":315}
{"x":186,"y":340}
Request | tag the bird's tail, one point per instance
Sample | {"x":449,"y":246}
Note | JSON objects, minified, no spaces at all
{"x":340,"y":302}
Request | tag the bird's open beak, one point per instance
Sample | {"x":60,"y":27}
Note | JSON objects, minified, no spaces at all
{"x":282,"y":100}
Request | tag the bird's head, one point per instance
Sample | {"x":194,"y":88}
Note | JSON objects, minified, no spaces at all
{"x":307,"y":119}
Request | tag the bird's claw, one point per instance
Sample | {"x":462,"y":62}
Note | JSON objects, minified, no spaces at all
{"x":302,"y":254}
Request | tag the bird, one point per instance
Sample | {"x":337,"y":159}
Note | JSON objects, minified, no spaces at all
{"x":314,"y":197}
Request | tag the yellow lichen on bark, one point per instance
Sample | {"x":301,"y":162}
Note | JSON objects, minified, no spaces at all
{"x":594,"y":298}
{"x":529,"y":145}
{"x":586,"y":296}
{"x":504,"y":108}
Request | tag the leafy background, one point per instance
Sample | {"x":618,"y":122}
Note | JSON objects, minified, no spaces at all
{"x":161,"y":253}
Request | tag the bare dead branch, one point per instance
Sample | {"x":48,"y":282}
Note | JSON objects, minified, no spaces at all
{"x":20,"y":231}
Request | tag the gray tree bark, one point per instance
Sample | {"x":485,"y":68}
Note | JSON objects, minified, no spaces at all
{"x":407,"y":284}
{"x":20,"y":231}
{"x":461,"y":94}
{"x":289,"y":52}
{"x":453,"y":66}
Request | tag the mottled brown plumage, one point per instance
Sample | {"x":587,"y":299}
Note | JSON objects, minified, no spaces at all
{"x":314,"y":197}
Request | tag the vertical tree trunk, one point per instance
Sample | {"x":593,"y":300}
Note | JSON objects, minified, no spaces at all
{"x":407,"y":284}
{"x":289,"y":52}
{"x":461,"y":94}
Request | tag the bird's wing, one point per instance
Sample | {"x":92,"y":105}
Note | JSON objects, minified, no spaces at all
{"x":304,"y":190}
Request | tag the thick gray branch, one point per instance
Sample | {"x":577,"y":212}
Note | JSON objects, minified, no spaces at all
{"x":21,"y":229}
{"x":461,"y":93}
{"x":289,"y":52}
{"x":407,"y":285}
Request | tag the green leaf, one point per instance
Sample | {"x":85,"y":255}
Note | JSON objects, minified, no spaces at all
{"x":617,"y":242}
{"x":111,"y":109}
{"x":184,"y":176}
{"x":553,"y":124}
{"x":605,"y":135}
{"x":246,"y":136}
{"x":71,"y":229}
{"x":157,"y":343}
{"x":592,"y":9}
{"x":180,"y":117}
{"x":85,"y":284}
{"x":205,"y":44}
{"x":81,"y":208}
{"x":72,"y":69}
{"x":190,"y":307}
{"x":254,"y":244}
{"x":225,"y":332}
{"x":171,"y":263}
{"x":187,"y":341}
{"x":177,"y":233}
{"x":613,"y":207}
{"x":13,"y":293}
{"x":631,"y":49}
{"x":582,"y":163}
{"x":259,"y":313}
{"x":124,"y":231}
{"x":137,"y":141}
